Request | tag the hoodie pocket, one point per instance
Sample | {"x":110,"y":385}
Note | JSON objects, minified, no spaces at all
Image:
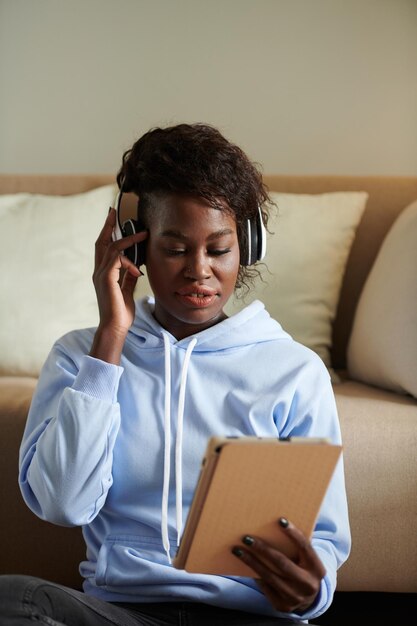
{"x":131,"y":561}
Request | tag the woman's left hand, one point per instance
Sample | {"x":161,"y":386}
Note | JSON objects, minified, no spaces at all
{"x":291,"y":585}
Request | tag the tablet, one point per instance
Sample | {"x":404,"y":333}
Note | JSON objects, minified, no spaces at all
{"x":246,"y":484}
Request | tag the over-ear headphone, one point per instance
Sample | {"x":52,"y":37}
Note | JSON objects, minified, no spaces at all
{"x":129,"y":223}
{"x":256,"y":234}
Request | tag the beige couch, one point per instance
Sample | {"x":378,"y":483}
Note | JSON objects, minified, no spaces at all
{"x":379,"y":427}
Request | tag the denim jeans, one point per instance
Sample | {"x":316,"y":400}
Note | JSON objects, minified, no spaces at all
{"x":25,"y":599}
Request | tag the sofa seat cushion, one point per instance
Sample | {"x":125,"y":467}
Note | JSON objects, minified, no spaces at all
{"x":380,"y":442}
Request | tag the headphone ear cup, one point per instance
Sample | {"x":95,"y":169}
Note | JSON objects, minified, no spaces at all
{"x":128,"y":228}
{"x":261,"y":230}
{"x":256,"y":237}
{"x":252,"y":236}
{"x":137,"y":252}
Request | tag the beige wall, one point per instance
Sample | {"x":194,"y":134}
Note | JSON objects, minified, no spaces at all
{"x":304,"y":86}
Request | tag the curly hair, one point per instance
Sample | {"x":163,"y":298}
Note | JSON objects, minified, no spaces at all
{"x":196,"y":160}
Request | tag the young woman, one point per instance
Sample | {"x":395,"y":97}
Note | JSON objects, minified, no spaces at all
{"x":122,"y":413}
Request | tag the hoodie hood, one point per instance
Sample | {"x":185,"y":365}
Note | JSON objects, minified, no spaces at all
{"x":234,"y":332}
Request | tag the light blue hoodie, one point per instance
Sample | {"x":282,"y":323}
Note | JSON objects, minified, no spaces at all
{"x":118,"y":450}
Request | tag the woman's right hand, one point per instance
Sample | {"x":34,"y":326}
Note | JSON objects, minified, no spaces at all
{"x":114,"y":279}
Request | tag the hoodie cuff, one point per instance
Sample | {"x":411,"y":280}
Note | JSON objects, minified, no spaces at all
{"x":98,"y":379}
{"x":325,"y":596}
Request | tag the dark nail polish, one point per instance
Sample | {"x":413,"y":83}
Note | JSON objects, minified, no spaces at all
{"x":283,"y":522}
{"x":248,"y":540}
{"x":237,"y":552}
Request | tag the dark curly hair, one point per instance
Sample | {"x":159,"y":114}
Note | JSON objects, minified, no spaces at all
{"x":196,"y":160}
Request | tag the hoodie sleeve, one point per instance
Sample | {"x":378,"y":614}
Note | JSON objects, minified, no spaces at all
{"x":314,"y":414}
{"x":66,"y":454}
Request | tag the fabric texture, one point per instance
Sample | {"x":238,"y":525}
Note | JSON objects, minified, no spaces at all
{"x":382,"y":350}
{"x":93,"y":417}
{"x":47,"y":256}
{"x":307,"y":250}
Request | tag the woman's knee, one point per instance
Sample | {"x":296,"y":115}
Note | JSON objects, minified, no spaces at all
{"x":14,"y":585}
{"x":24,"y":599}
{"x":27,"y":597}
{"x":14,"y":592}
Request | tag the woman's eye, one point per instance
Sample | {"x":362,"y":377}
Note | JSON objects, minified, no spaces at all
{"x":219,"y":252}
{"x":175,"y":251}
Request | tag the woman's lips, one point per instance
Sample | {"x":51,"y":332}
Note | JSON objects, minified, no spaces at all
{"x":198,"y":298}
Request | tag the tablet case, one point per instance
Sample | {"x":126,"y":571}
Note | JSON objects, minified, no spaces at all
{"x":246,"y":484}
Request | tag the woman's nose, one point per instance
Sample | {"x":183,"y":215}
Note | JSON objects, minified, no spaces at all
{"x":197,"y":267}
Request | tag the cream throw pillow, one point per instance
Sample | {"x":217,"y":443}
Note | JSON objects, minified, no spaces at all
{"x":47,"y":260}
{"x":306,"y":259}
{"x":382,"y":348}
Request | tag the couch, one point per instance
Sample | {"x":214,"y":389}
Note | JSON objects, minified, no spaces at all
{"x":379,"y":425}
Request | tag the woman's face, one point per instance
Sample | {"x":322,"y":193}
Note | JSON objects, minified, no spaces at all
{"x":192,"y":262}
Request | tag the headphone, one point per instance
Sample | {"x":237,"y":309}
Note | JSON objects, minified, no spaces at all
{"x":127,"y":225}
{"x":256,"y":234}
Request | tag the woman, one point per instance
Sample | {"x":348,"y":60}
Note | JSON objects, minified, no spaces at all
{"x":122,"y":413}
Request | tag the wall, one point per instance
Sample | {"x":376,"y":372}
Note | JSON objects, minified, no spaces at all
{"x":304,"y":86}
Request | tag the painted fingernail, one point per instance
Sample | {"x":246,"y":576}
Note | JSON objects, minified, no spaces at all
{"x":237,"y":552}
{"x":248,"y":540}
{"x":283,"y":522}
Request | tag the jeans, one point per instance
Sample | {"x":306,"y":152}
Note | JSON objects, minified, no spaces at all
{"x":25,"y":599}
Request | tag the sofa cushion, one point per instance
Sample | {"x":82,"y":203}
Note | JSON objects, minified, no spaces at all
{"x":307,"y":252}
{"x":47,"y":256}
{"x":382,"y":349}
{"x":379,"y":446}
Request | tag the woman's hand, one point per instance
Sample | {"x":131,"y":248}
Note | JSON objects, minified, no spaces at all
{"x":114,"y":278}
{"x":291,"y":585}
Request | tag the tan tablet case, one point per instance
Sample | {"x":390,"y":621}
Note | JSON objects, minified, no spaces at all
{"x":246,"y":484}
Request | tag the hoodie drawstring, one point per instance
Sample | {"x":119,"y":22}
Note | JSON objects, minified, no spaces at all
{"x":178,"y":444}
{"x":167,"y":449}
